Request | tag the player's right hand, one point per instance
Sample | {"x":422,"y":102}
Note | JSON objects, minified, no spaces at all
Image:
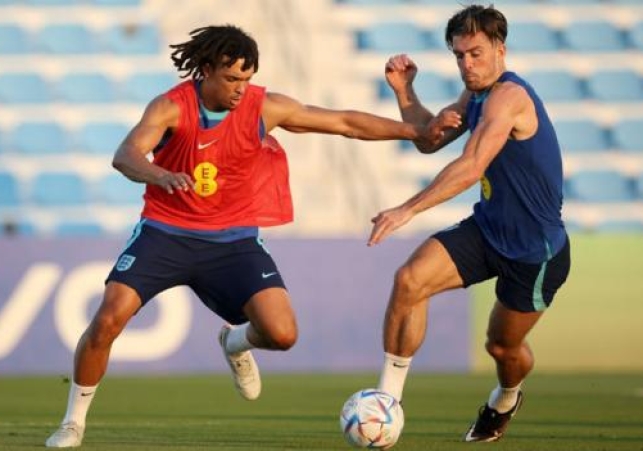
{"x":175,"y":181}
{"x":400,"y":71}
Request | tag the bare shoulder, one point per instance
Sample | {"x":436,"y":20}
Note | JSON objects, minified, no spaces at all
{"x":162,"y":110}
{"x":277,"y":108}
{"x":510,"y":93}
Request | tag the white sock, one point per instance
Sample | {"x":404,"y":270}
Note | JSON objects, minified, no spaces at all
{"x":78,"y":403}
{"x":237,"y":340}
{"x":503,"y":399}
{"x":394,"y":374}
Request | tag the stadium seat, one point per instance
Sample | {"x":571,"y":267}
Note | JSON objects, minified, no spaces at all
{"x":638,"y":182}
{"x":635,"y":34}
{"x":597,"y":36}
{"x":65,"y":39}
{"x":55,"y":189}
{"x":616,"y":86}
{"x":24,"y":88}
{"x":143,"y":87}
{"x":17,"y":227}
{"x":394,"y":37}
{"x":14,"y":40}
{"x":78,"y":228}
{"x":52,"y":2}
{"x":132,"y":39}
{"x":429,"y":86}
{"x":532,"y":37}
{"x":35,"y":138}
{"x":619,"y":226}
{"x":100,"y":138}
{"x":627,"y":135}
{"x":9,"y":190}
{"x":86,"y":88}
{"x":600,"y":186}
{"x":556,"y":85}
{"x":581,"y":135}
{"x":116,"y":189}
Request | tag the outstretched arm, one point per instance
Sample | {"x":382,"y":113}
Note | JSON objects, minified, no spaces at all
{"x":131,"y":157}
{"x":285,"y":112}
{"x":501,"y":112}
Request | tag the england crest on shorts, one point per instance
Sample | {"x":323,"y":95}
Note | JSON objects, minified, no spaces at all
{"x":125,"y":262}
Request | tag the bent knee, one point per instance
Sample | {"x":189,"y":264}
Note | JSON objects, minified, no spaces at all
{"x":500,"y":351}
{"x":283,"y":338}
{"x":103,"y":331}
{"x":407,"y":281}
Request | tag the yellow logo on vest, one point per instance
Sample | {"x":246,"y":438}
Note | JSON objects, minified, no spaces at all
{"x":205,"y":175}
{"x":486,"y":187}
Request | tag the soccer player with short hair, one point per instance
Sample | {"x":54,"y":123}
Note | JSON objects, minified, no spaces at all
{"x":516,"y":233}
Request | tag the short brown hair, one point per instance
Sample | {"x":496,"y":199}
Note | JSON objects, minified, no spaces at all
{"x":476,"y":18}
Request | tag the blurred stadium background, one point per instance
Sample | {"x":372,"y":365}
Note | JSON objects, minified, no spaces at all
{"x":75,"y":76}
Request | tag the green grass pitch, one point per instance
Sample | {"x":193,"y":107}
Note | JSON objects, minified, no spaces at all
{"x":300,"y":412}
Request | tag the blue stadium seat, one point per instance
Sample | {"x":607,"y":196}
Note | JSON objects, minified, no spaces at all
{"x":600,"y":186}
{"x":101,"y":138}
{"x":394,"y":37}
{"x":14,"y":39}
{"x":9,"y":190}
{"x":627,"y":135}
{"x":35,"y":138}
{"x":68,"y":38}
{"x":619,"y":226}
{"x":56,"y":189}
{"x":116,"y":189}
{"x":635,"y":34}
{"x":597,"y":36}
{"x":532,"y":37}
{"x":133,"y":39}
{"x":78,"y":228}
{"x":52,"y":2}
{"x":581,"y":135}
{"x":86,"y":88}
{"x":17,"y":227}
{"x":615,"y":86}
{"x":143,"y":87}
{"x":556,"y":85}
{"x":638,"y":182}
{"x":429,"y":86}
{"x":24,"y":88}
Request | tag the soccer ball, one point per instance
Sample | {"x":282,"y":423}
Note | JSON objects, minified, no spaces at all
{"x":372,"y":419}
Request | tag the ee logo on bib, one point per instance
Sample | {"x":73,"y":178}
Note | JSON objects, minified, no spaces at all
{"x":205,"y":175}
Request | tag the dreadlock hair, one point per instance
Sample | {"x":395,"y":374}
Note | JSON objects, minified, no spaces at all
{"x":476,"y":18}
{"x":214,"y":45}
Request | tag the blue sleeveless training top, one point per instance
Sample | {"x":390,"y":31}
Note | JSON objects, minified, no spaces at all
{"x":519,"y":211}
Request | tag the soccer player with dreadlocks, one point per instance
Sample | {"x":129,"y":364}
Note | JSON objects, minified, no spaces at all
{"x":216,"y":175}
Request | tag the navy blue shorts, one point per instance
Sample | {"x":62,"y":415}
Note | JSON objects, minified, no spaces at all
{"x":524,"y":287}
{"x":223,"y":275}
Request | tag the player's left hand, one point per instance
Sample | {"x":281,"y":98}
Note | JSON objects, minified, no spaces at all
{"x":387,"y":221}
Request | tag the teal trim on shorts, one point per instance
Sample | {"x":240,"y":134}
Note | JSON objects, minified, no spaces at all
{"x":262,"y":243}
{"x":537,"y":297}
{"x":135,"y":234}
